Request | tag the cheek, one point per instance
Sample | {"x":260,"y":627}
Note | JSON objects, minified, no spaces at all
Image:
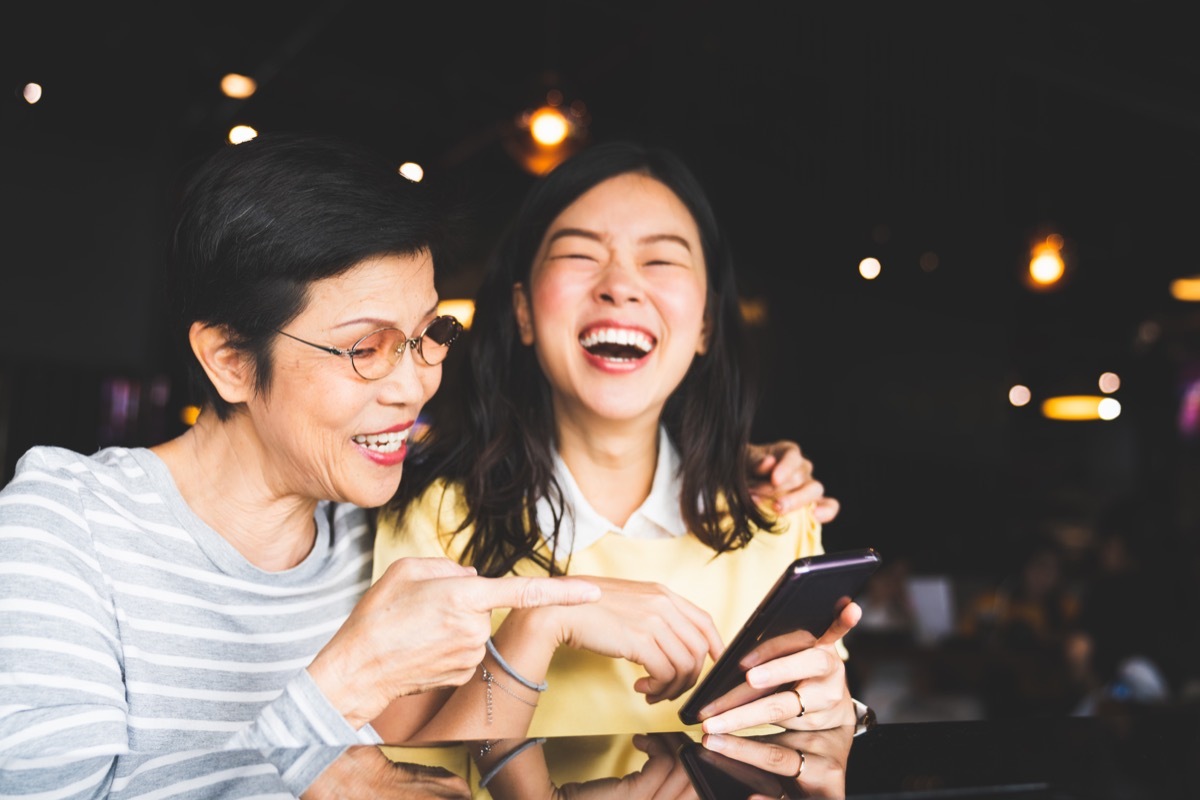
{"x":431,"y":379}
{"x":685,"y":307}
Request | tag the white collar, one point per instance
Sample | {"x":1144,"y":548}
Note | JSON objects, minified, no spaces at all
{"x":658,"y":517}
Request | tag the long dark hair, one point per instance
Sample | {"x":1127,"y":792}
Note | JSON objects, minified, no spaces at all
{"x":496,"y":436}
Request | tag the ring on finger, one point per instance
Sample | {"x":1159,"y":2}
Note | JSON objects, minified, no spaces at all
{"x":797,"y":775}
{"x":799,"y":700}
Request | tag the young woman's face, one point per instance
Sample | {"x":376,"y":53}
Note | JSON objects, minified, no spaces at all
{"x":328,"y":433}
{"x":615,"y":305}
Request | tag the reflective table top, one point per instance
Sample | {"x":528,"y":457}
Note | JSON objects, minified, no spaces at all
{"x":1148,"y":754}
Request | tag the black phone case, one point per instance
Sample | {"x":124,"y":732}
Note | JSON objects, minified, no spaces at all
{"x":805,"y":597}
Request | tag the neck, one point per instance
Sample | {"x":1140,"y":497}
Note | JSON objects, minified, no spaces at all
{"x":612,"y":464}
{"x":223,"y":473}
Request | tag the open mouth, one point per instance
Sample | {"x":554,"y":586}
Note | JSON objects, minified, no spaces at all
{"x":617,"y":344}
{"x":382,"y":442}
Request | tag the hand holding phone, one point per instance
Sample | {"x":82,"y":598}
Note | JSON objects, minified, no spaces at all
{"x":793,"y":616}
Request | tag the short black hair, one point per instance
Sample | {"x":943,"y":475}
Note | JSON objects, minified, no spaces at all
{"x":260,"y":221}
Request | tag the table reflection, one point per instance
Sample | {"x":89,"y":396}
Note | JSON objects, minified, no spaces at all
{"x":1146,"y":754}
{"x":661,"y":765}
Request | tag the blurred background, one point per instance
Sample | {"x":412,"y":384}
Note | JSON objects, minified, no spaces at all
{"x":947,"y":217}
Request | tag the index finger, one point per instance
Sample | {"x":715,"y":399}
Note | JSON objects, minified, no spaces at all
{"x":513,"y":591}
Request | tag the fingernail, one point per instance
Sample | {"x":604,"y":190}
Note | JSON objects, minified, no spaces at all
{"x":714,"y":741}
{"x":758,"y":678}
{"x":715,"y":725}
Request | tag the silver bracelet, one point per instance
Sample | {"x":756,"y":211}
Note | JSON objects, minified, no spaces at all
{"x":537,"y":687}
{"x":491,"y":773}
{"x":490,"y":680}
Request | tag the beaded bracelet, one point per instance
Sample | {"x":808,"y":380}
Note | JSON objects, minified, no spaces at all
{"x":537,"y":687}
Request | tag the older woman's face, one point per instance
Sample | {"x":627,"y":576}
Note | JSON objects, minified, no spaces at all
{"x":326,"y":432}
{"x":615,"y":305}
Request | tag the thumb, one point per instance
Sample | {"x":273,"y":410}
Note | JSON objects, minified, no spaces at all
{"x":845,"y":621}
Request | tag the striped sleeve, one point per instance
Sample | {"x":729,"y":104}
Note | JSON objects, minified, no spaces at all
{"x":61,"y":673}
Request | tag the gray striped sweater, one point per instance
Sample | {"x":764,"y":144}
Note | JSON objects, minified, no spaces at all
{"x":129,"y":627}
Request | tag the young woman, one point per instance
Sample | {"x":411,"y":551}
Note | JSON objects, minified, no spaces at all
{"x":602,"y":432}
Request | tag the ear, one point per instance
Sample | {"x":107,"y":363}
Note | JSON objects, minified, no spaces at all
{"x":228,"y":368}
{"x":523,"y":313}
{"x":705,"y":330}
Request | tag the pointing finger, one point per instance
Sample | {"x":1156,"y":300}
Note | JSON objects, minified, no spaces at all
{"x":519,"y":592}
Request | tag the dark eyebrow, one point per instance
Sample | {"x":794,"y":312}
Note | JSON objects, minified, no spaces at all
{"x":381,"y":323}
{"x":562,"y":232}
{"x":666,"y":237}
{"x":651,"y":239}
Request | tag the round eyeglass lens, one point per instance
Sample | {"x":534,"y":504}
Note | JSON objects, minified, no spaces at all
{"x":375,"y":354}
{"x":437,"y":338}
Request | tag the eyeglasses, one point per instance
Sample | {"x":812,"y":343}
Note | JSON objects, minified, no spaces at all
{"x":375,"y":355}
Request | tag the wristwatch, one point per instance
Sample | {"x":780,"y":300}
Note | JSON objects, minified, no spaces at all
{"x":864,"y":717}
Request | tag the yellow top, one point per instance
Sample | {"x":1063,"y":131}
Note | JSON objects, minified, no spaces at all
{"x":591,"y":694}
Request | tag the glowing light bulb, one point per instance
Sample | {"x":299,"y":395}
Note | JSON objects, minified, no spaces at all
{"x":870,"y":268}
{"x":241,"y":133}
{"x":548,"y":126}
{"x":412,"y":171}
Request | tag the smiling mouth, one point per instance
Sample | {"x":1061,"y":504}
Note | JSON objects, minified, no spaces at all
{"x":382,"y":442}
{"x":617,"y":344}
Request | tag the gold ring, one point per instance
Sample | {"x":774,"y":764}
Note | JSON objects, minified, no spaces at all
{"x":800,"y":700}
{"x":797,"y":775}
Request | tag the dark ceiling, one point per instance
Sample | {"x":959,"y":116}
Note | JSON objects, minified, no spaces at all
{"x":825,"y":132}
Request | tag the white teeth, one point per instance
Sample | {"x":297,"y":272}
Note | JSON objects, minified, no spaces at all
{"x":382,"y":442}
{"x":619,"y":336}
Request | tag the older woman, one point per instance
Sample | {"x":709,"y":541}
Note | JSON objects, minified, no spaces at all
{"x":212,"y":591}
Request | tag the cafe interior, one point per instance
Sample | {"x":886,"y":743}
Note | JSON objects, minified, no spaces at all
{"x":962,"y":236}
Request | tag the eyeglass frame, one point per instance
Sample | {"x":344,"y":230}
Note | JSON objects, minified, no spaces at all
{"x":406,"y":342}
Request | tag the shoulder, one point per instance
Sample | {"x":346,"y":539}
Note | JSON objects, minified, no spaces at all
{"x":797,"y":530}
{"x":64,"y":476}
{"x":430,"y":526}
{"x":49,"y":510}
{"x":442,"y":504}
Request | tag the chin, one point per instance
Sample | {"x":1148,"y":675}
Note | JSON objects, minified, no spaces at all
{"x":374,"y":495}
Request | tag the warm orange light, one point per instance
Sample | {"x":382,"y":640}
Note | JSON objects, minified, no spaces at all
{"x":462,"y":308}
{"x":1186,"y":289}
{"x":1077,"y":407}
{"x":754,"y":310}
{"x":1046,"y":265}
{"x":239,"y":87}
{"x":189,"y":414}
{"x":548,"y":126}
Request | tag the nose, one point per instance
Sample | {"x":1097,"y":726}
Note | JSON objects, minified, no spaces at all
{"x":411,"y":382}
{"x":620,"y":282}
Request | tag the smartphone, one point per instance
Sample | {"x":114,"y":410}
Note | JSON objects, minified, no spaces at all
{"x":807,"y":597}
{"x":718,"y":777}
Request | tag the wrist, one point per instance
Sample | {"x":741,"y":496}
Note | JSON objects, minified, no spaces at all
{"x":343,"y":689}
{"x":527,"y":640}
